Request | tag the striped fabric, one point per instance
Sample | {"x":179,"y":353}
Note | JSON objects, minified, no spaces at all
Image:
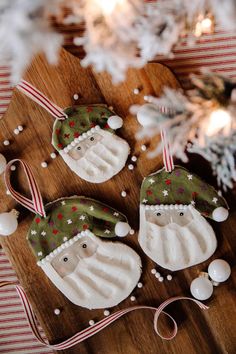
{"x":215,"y":52}
{"x":15,"y":335}
{"x":5,"y":88}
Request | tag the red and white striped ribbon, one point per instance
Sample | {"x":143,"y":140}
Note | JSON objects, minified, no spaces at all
{"x":99,"y":326}
{"x":36,"y":204}
{"x":37,"y":96}
{"x":166,"y":150}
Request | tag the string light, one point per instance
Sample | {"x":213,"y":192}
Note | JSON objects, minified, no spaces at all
{"x":219,"y":120}
{"x":203,"y":25}
{"x":108,"y":6}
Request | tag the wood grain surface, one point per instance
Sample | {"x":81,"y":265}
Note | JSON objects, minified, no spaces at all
{"x":213,"y":331}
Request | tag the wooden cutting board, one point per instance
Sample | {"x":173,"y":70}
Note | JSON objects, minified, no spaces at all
{"x":199,"y":332}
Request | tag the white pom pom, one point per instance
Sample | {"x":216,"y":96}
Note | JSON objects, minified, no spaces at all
{"x":115,"y":122}
{"x":147,"y":114}
{"x":122,"y":229}
{"x":220,"y":214}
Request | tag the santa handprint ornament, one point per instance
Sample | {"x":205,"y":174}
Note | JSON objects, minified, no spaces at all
{"x":71,"y":240}
{"x":174,"y":205}
{"x":85,"y":137}
{"x":87,"y":142}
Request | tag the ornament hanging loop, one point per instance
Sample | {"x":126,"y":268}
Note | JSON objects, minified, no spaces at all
{"x":166,"y":152}
{"x":37,"y":96}
{"x":36,"y":204}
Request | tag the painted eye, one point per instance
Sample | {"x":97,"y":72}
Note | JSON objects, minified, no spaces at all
{"x":84,"y":245}
{"x":78,"y":148}
{"x":65,"y":259}
{"x":158,"y":214}
{"x":181,"y":214}
{"x":92,"y":138}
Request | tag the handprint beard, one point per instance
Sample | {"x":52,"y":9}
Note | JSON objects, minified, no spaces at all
{"x":101,"y":278}
{"x":100,"y":161}
{"x":176,"y":242}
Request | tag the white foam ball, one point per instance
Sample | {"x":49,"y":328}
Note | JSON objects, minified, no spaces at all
{"x":44,"y":164}
{"x":6,"y":142}
{"x":122,"y":229}
{"x":220,"y":214}
{"x":8,"y":223}
{"x":201,"y":288}
{"x":115,"y":122}
{"x":57,"y":312}
{"x":147,"y":114}
{"x":3,"y":163}
{"x":106,"y":312}
{"x":219,"y":270}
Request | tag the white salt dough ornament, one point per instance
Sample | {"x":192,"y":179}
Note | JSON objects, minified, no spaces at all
{"x":67,"y":238}
{"x":173,"y":205}
{"x":85,"y":137}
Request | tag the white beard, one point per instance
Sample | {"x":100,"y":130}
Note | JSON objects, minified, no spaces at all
{"x":176,"y":247}
{"x":102,"y":280}
{"x":101,"y":161}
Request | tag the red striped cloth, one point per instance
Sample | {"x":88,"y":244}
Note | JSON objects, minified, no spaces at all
{"x":215,"y":52}
{"x":15,"y":335}
{"x":5,"y":88}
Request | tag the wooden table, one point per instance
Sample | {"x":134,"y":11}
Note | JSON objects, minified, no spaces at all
{"x":212,"y":331}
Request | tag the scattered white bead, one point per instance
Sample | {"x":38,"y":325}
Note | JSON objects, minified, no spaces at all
{"x":130,"y":166}
{"x":123,"y":194}
{"x":76,"y":96}
{"x":143,"y":148}
{"x":134,"y":158}
{"x":44,"y":164}
{"x":136,"y":91}
{"x":8,"y":192}
{"x":157,"y":275}
{"x":13,"y":168}
{"x":169,"y":277}
{"x":153,"y":271}
{"x":91,"y":322}
{"x":20,"y":128}
{"x":160,"y":279}
{"x":6,"y":142}
{"x":132,"y":298}
{"x":131,"y":232}
{"x":53,"y":155}
{"x":57,"y":312}
{"x":106,"y":312}
{"x":16,"y":131}
{"x":140,"y":285}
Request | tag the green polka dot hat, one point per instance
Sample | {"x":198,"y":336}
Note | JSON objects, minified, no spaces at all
{"x":68,"y":219}
{"x":81,"y":122}
{"x":179,"y":188}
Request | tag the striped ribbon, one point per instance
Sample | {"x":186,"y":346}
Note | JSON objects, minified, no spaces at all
{"x":36,"y":204}
{"x":99,"y":326}
{"x":41,"y":99}
{"x":166,"y":150}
